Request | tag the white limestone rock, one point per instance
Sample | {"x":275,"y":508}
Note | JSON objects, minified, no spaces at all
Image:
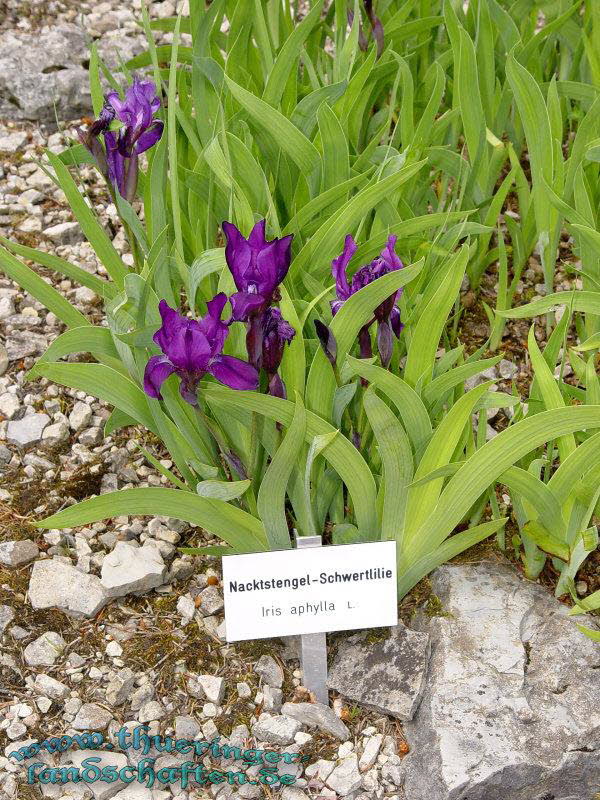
{"x":56,"y":584}
{"x":279,"y":729}
{"x":387,"y":676}
{"x":17,"y":553}
{"x":270,"y":671}
{"x":130,"y":569}
{"x":26,"y":431}
{"x":345,"y":777}
{"x":317,"y":715}
{"x":92,"y":717}
{"x":44,"y":650}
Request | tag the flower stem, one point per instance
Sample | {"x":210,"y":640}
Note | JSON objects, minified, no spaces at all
{"x":347,"y":415}
{"x":133,"y":244}
{"x":230,"y":457}
{"x":257,"y":450}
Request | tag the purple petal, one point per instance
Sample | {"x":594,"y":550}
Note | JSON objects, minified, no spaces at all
{"x":138,"y":105}
{"x":131,"y":178}
{"x":190,"y":349}
{"x":257,"y":265}
{"x":384,"y":310}
{"x":183,"y":341}
{"x":277,"y":387}
{"x":365,"y":275}
{"x":157,"y":371}
{"x":246,"y":304}
{"x":257,"y":237}
{"x":125,"y":144}
{"x":276,"y":332}
{"x":388,"y":254}
{"x":150,"y":137}
{"x":167,"y":313}
{"x":147,"y":90}
{"x":335,"y":306}
{"x":284,"y":256}
{"x":327,"y":340}
{"x":285,"y":331}
{"x":190,"y":344}
{"x":216,"y":305}
{"x":211,"y":325}
{"x":188,"y":388}
{"x":272,"y":263}
{"x":378,"y":35}
{"x":238,"y":254}
{"x":170,"y":320}
{"x":115,"y":161}
{"x":255,"y":339}
{"x":385,"y":343}
{"x":396,"y":322}
{"x":268,"y":267}
{"x":234,"y":372}
{"x":113,"y":99}
{"x":231,"y":232}
{"x":339,"y":266}
{"x":136,"y":112}
{"x":364,"y":341}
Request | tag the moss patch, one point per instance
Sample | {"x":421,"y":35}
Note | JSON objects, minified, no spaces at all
{"x":25,"y":496}
{"x":434,"y":607}
{"x":27,"y":792}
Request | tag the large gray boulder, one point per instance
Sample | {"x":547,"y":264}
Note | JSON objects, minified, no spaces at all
{"x":43,"y":75}
{"x":511,"y":709}
{"x":387,"y":676}
{"x":41,"y":71}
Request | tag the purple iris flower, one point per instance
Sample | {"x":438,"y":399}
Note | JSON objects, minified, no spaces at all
{"x":258,"y":267}
{"x":387,"y":313}
{"x":140,"y":131}
{"x":276,"y":333}
{"x":191,"y":348}
{"x":376,"y":27}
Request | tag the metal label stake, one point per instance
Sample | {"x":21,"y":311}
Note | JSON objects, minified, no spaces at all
{"x":313,"y":646}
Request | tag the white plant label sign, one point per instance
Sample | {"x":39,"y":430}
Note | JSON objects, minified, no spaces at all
{"x":312,"y":590}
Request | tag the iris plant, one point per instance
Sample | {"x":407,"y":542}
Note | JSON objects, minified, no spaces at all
{"x":258,"y":267}
{"x":139,"y":131}
{"x":387,"y":314}
{"x":276,"y":333}
{"x":191,"y":349}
